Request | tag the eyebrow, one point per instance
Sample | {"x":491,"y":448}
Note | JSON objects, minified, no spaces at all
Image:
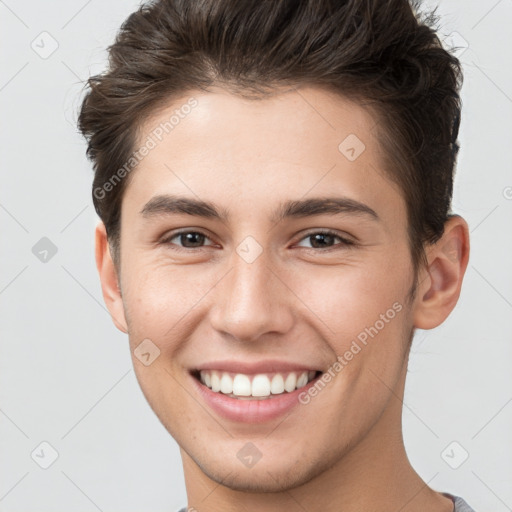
{"x":163,"y":205}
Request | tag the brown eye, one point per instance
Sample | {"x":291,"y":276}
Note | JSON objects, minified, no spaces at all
{"x":326,"y":239}
{"x":187,"y":239}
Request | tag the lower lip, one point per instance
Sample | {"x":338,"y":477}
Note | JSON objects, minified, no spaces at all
{"x":251,"y":411}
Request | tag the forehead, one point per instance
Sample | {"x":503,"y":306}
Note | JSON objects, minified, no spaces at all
{"x":247,"y":153}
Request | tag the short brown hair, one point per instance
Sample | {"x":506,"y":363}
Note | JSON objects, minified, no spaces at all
{"x":380,"y":53}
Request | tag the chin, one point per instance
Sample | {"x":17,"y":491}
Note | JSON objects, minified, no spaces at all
{"x":264,"y":477}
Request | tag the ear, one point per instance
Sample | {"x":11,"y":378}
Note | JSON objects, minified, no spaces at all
{"x":441,"y":281}
{"x":109,"y":280}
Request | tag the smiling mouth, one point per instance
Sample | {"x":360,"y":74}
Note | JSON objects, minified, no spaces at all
{"x":260,"y":386}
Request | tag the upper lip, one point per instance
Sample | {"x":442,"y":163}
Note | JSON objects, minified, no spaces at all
{"x":267,"y":366}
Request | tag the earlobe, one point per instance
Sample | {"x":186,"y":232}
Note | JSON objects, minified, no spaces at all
{"x":109,"y":279}
{"x":441,"y":282}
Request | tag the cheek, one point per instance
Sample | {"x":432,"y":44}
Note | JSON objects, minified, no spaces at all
{"x":162,"y":294}
{"x":347,"y":299}
{"x":361,"y":311}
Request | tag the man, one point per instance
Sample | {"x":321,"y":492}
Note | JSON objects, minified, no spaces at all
{"x":274,"y":182}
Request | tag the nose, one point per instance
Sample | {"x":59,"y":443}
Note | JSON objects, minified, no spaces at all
{"x":252,"y":300}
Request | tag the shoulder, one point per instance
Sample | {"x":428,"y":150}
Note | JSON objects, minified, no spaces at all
{"x":459,"y":504}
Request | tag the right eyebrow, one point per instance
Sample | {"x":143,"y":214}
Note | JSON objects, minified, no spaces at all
{"x":168,"y":205}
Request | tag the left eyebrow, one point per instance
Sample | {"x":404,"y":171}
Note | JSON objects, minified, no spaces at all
{"x":322,"y":206}
{"x":171,"y":204}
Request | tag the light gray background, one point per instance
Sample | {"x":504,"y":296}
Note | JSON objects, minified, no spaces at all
{"x":65,"y":370}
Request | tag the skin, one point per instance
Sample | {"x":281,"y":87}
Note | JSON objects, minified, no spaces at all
{"x":295,"y":302}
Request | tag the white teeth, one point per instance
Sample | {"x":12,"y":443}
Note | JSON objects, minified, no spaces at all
{"x":302,"y":380}
{"x":241,"y":385}
{"x":215,"y":382}
{"x":277,"y":385}
{"x":258,"y":386}
{"x":291,"y":382}
{"x":226,"y":384}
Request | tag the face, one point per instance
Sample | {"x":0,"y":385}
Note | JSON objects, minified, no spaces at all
{"x":295,"y":274}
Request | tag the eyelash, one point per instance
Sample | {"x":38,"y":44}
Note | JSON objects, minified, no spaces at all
{"x":345,"y":243}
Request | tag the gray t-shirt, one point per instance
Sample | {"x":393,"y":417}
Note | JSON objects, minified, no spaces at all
{"x":459,"y":504}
